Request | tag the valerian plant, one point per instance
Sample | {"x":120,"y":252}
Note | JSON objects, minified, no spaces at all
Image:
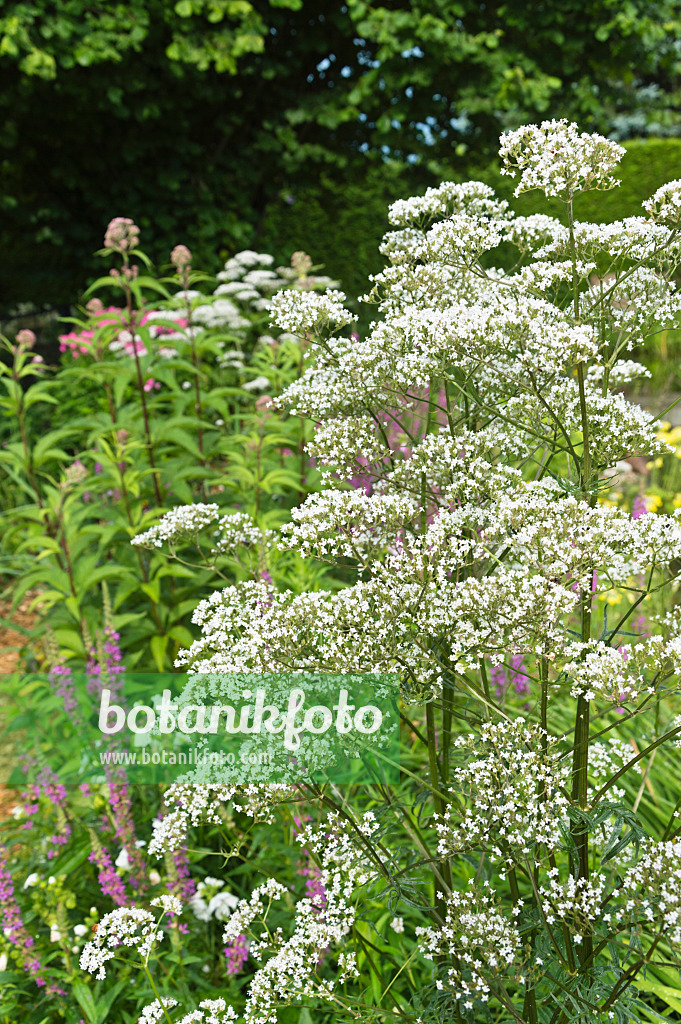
{"x":465,"y":442}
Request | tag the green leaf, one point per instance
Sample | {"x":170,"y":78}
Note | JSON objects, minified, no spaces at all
{"x":85,"y":1000}
{"x":152,"y":589}
{"x":106,"y":1000}
{"x":179,"y":437}
{"x":182,"y":635}
{"x":159,"y":645}
{"x":671,"y":996}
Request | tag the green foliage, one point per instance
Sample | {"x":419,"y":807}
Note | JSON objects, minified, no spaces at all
{"x":352,"y":216}
{"x":46,"y":40}
{"x":93,"y":454}
{"x":191,"y":116}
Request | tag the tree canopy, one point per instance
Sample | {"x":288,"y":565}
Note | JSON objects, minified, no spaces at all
{"x":192,"y":116}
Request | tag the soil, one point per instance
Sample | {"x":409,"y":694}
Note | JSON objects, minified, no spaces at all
{"x":11,"y":643}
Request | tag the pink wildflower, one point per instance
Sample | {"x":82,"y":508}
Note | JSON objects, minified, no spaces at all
{"x":26,"y":338}
{"x":122,"y":235}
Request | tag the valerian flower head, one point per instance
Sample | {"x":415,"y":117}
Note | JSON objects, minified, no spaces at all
{"x":559,"y":159}
{"x":178,"y":525}
{"x":664,"y":206}
{"x":300,"y":312}
{"x":478,"y":939}
{"x":125,"y":926}
{"x":155,"y":1012}
{"x":508,"y":792}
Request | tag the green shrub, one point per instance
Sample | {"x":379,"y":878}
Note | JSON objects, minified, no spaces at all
{"x":352,"y":217}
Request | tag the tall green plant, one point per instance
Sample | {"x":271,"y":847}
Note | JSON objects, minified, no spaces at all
{"x":155,"y":402}
{"x":478,"y":421}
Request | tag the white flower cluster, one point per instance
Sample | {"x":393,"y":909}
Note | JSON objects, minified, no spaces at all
{"x":617,"y":427}
{"x":219,"y":312}
{"x":447,"y":200}
{"x":624,"y":674}
{"x":653,"y":888}
{"x":190,"y":806}
{"x":253,"y":909}
{"x":154,"y":1012}
{"x":347,"y":524}
{"x":210,"y":1011}
{"x":664,"y":206}
{"x":183,"y":524}
{"x":605,"y":760}
{"x":513,"y":332}
{"x":575,"y":902}
{"x":531,"y":233}
{"x":464,"y":467}
{"x":169,"y":904}
{"x":375,"y":626}
{"x":348,"y":445}
{"x":559,"y":159}
{"x":548,"y":279}
{"x":633,"y":238}
{"x":179,"y":525}
{"x":552,"y":545}
{"x":508,"y":794}
{"x":479,"y":939}
{"x":237,"y":530}
{"x":459,"y":240}
{"x":300,"y":312}
{"x":244,"y":261}
{"x":643,"y":301}
{"x":320,"y":923}
{"x":126,"y":926}
{"x":621,"y":372}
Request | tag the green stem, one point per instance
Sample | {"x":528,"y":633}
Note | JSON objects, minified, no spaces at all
{"x":140,"y":385}
{"x":581,"y":743}
{"x":155,"y":991}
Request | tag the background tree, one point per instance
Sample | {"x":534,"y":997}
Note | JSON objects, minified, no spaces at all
{"x":198,"y":117}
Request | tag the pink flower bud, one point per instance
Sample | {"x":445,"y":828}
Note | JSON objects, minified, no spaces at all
{"x":181,"y":257}
{"x":95,"y":306}
{"x":301,"y":263}
{"x":265,"y":404}
{"x":26,"y":338}
{"x":122,"y":235}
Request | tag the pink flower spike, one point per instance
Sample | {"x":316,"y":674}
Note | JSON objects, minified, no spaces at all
{"x":639,"y":507}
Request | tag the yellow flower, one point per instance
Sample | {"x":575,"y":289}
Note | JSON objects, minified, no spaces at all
{"x":653,"y":502}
